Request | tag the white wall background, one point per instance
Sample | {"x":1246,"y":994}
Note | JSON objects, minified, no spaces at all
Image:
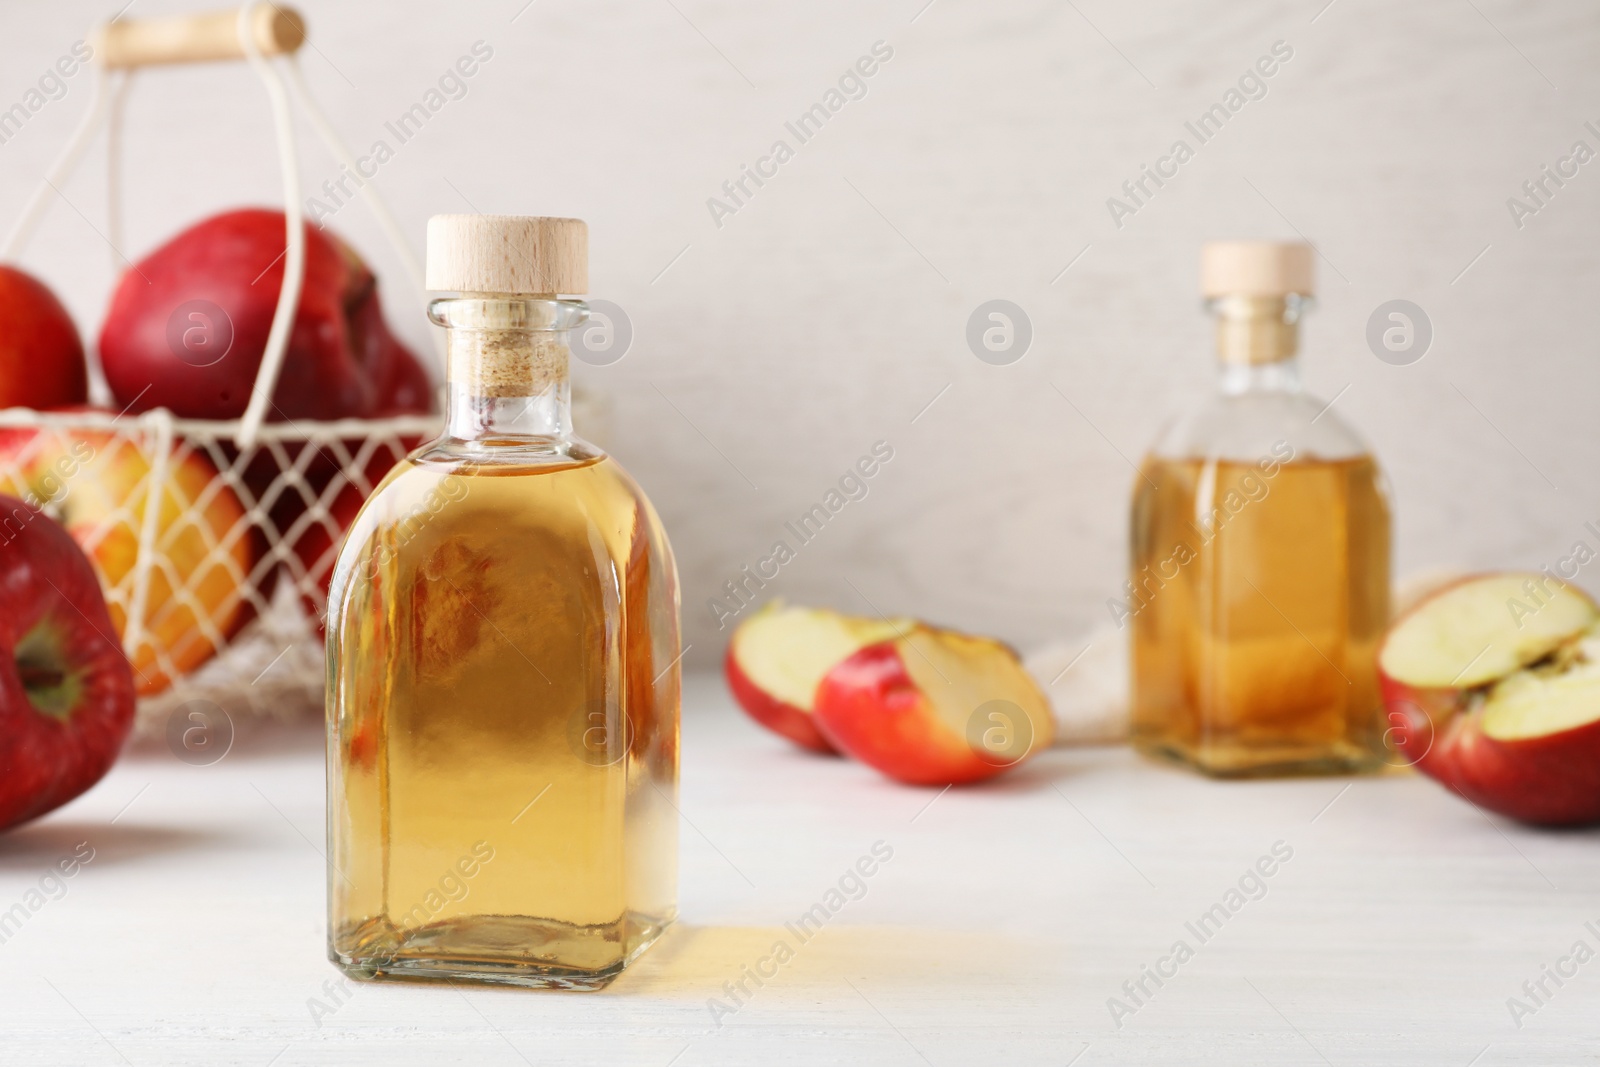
{"x":831,"y":309}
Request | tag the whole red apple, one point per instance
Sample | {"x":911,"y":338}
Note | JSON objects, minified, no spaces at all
{"x":66,"y":691}
{"x":1492,"y":685}
{"x":187,"y":328}
{"x":41,"y":357}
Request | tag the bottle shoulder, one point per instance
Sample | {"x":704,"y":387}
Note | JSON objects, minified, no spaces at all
{"x":431,"y":514}
{"x":438,"y":493}
{"x":594,"y":483}
{"x":1248,"y":426}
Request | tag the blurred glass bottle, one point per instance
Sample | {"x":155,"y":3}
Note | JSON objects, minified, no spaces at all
{"x":1259,"y":584}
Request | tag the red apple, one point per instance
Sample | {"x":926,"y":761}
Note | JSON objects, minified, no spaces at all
{"x":41,"y":357}
{"x":96,"y":484}
{"x":1492,"y":685}
{"x":934,"y":707}
{"x":777,"y":656}
{"x":188,"y":325}
{"x":66,"y":692}
{"x":187,"y":330}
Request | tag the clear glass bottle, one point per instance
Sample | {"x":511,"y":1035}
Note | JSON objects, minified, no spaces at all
{"x":503,"y":681}
{"x":1259,"y":584}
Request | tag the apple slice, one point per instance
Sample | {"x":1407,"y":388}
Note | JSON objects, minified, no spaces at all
{"x":934,"y":707}
{"x":1561,"y":695}
{"x":1521,"y":737}
{"x":1483,"y":628}
{"x":778,"y":655}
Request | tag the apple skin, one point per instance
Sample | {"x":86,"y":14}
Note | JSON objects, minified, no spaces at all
{"x":341,"y":360}
{"x":55,"y":749}
{"x":1413,"y":713}
{"x":779,"y":716}
{"x":1550,"y":780}
{"x":1553,"y":780}
{"x":87,"y":476}
{"x":402,"y":383}
{"x":871,"y":708}
{"x":41,"y":355}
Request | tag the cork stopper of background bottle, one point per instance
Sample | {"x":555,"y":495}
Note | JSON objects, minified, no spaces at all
{"x":1253,"y":285}
{"x":502,"y":350}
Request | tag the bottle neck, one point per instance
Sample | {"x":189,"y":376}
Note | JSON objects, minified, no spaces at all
{"x":1234,"y":379}
{"x":506,"y":376}
{"x":1258,"y":339}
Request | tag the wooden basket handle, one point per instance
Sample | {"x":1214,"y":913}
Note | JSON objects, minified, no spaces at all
{"x":212,"y":35}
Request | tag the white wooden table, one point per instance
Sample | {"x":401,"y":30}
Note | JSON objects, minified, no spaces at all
{"x":1006,"y":918}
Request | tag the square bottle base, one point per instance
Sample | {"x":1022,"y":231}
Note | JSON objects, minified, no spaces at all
{"x":465,"y":952}
{"x":1220,"y":761}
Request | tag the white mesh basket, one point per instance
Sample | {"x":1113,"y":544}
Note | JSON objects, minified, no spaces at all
{"x":214,"y":557}
{"x":213,"y":540}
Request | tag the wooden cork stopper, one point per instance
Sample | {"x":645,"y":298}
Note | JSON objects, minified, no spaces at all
{"x":527,"y":255}
{"x":126,"y":43}
{"x":1256,"y":268}
{"x":506,"y":363}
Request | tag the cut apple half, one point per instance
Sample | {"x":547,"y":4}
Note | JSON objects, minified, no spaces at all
{"x":1492,"y":686}
{"x":1483,"y":628}
{"x":777,"y":657}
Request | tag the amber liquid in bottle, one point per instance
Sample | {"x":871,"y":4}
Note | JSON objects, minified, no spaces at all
{"x":504,"y":694}
{"x":1254,"y":650}
{"x":1259,"y":583}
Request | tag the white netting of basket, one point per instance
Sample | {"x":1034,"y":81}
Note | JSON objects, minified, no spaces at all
{"x":214,"y":557}
{"x":213,"y":540}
